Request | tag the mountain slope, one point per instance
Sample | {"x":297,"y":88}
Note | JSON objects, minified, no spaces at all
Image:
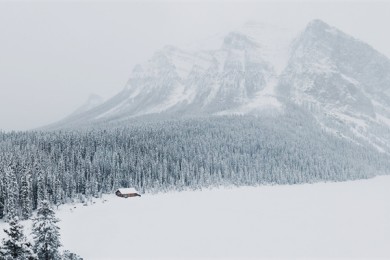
{"x":343,"y":82}
{"x":238,"y":77}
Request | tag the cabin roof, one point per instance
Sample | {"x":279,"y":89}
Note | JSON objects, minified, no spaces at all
{"x":127,"y":190}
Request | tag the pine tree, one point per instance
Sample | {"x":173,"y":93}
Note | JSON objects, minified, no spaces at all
{"x":11,"y":203}
{"x":25,"y":196}
{"x":3,"y":193}
{"x":58,"y":193}
{"x":46,"y":233}
{"x":16,"y":246}
{"x":41,"y":189}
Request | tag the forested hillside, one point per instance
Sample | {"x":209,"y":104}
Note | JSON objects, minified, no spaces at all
{"x":68,"y":165}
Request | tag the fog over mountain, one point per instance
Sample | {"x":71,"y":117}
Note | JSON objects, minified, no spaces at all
{"x":54,"y":54}
{"x":258,"y":69}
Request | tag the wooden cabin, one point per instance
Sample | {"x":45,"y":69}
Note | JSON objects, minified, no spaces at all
{"x":127,"y":192}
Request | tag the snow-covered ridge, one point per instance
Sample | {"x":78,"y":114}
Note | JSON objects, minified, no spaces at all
{"x":255,"y":69}
{"x":239,"y":76}
{"x":221,"y":81}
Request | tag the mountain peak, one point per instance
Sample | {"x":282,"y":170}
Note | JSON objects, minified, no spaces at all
{"x":319,"y":27}
{"x":238,"y":41}
{"x":317,"y":23}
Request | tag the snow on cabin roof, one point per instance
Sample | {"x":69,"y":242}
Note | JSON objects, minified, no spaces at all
{"x":127,"y":190}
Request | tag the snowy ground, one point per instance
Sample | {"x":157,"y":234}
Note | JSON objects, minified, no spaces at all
{"x":332,"y":220}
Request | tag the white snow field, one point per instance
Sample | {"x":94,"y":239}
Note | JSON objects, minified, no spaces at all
{"x":346,"y":220}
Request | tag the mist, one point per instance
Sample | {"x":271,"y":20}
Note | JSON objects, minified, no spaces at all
{"x":53,"y":55}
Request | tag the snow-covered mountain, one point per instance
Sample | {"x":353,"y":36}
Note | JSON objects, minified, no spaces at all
{"x":343,"y":82}
{"x":238,"y":77}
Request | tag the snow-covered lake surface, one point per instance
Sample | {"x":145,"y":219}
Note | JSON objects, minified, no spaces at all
{"x":324,"y":220}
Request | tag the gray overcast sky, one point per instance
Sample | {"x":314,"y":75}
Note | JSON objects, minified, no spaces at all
{"x":54,"y":54}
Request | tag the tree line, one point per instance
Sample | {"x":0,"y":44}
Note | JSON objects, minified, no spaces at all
{"x":78,"y":164}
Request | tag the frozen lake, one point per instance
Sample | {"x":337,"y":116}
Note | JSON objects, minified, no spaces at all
{"x":323,"y":220}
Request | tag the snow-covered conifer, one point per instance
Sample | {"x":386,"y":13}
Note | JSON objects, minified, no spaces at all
{"x":41,"y":189}
{"x":16,"y":246}
{"x":46,"y":233}
{"x":25,"y":196}
{"x":11,"y":201}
